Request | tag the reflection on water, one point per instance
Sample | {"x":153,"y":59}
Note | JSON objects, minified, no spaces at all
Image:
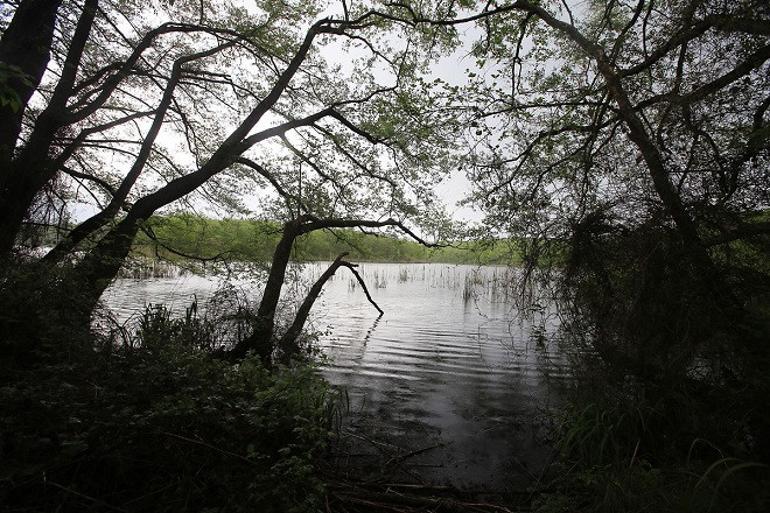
{"x":450,"y":364}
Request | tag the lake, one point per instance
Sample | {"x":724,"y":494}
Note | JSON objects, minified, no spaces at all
{"x":453,"y":375}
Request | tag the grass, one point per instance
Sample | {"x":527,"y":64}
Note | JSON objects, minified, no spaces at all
{"x":626,"y":447}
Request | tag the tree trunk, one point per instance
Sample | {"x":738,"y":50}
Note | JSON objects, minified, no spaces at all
{"x":26,"y":46}
{"x":699,"y":257}
{"x":103,"y":262}
{"x":100,"y":266}
{"x":711,"y":277}
{"x":98,"y":220}
{"x":13,"y":208}
{"x":260,"y":340}
{"x":288,"y":342}
{"x":23,"y":183}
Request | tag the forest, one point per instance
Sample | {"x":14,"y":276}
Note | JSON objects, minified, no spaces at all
{"x":255,"y":241}
{"x":330,"y":334}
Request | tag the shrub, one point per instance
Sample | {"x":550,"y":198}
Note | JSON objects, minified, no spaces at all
{"x":161,"y":424}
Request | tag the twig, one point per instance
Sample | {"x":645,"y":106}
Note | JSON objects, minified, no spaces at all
{"x":363,"y":286}
{"x":369,"y":440}
{"x":84,"y":496}
{"x":399,"y":459}
{"x":209,"y":446}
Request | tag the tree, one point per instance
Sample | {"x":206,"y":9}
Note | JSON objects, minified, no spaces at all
{"x":145,"y":113}
{"x":630,"y":142}
{"x":632,"y":138}
{"x":618,"y":113}
{"x":261,"y":339}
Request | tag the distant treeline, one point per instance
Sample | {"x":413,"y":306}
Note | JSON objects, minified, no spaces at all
{"x":250,"y":240}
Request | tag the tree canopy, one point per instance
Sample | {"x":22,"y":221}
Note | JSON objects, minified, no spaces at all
{"x":152,"y":107}
{"x":621,"y":148}
{"x":600,"y":118}
{"x":615,"y":114}
{"x":142,"y":105}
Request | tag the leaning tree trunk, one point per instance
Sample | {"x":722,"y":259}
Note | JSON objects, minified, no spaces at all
{"x":26,"y":45}
{"x":711,"y":277}
{"x":100,"y":266}
{"x":260,"y":339}
{"x":103,"y":262}
{"x":15,"y":198}
{"x":24,"y":54}
{"x":288,"y":342}
{"x":98,"y":220}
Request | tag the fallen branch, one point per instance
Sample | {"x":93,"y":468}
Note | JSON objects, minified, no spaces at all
{"x":398,"y":459}
{"x":288,"y":342}
{"x":352,"y":268}
{"x":392,"y":501}
{"x":212,"y":447}
{"x":84,"y":496}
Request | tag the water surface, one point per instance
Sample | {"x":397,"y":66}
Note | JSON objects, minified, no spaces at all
{"x":453,"y":371}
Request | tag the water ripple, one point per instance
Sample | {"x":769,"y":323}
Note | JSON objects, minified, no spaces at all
{"x":451,"y":356}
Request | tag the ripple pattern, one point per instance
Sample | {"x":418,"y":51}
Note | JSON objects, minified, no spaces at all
{"x":452,"y":361}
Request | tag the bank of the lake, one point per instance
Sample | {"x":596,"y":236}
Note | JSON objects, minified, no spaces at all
{"x":255,"y":241}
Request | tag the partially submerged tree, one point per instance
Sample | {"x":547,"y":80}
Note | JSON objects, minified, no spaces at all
{"x":261,"y":340}
{"x":201,"y":103}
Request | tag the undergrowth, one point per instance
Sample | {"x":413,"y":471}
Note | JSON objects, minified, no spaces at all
{"x":159,"y":423}
{"x":627,"y":453}
{"x":668,"y":409}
